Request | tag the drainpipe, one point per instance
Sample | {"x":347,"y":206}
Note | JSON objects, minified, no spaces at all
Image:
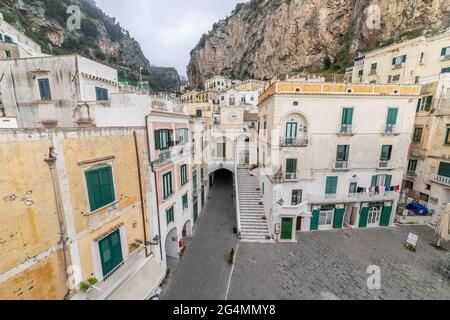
{"x":51,"y":161}
{"x":144,"y":220}
{"x":156,"y":184}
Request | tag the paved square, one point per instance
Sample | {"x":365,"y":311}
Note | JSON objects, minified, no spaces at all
{"x":333,"y":265}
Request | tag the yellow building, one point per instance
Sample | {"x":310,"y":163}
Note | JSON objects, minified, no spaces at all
{"x":74,"y":209}
{"x":405,"y":62}
{"x":195,"y":96}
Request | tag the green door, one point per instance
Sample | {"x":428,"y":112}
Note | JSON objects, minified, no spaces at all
{"x":315,"y":220}
{"x":363,"y":218}
{"x":338,"y":218}
{"x":195,"y":211}
{"x":110,"y":252}
{"x":286,"y":229}
{"x":386,"y":216}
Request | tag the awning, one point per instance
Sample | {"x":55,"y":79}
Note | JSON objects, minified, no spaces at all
{"x":140,"y":285}
{"x":417,"y":208}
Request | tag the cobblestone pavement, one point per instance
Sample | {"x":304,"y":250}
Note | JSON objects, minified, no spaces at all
{"x":203,"y":272}
{"x":333,"y":265}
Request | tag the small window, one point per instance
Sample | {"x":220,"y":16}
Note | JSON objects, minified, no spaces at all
{"x":445,"y":52}
{"x":170,"y":216}
{"x":7,"y":54}
{"x":331,"y":186}
{"x":353,"y":188}
{"x":185,"y":201}
{"x":412,"y":165}
{"x":360,"y":73}
{"x":447,"y":136}
{"x":296,"y":197}
{"x":163,"y":139}
{"x":183,"y":174}
{"x":44,"y":89}
{"x":100,"y":187}
{"x":167,"y":185}
{"x":101,"y":94}
{"x":386,"y":153}
{"x":398,"y":61}
{"x":417,"y":134}
{"x":445,"y":70}
{"x":373,"y":68}
{"x":422,"y":58}
{"x":295,"y":103}
{"x":8,"y":39}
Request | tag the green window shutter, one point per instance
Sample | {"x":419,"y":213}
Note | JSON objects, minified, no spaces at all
{"x":291,"y":165}
{"x":445,"y":70}
{"x":386,"y":216}
{"x":404,"y":58}
{"x":331,"y":186}
{"x":388,"y":181}
{"x":100,"y":187}
{"x":157,"y":140}
{"x":419,"y":104}
{"x":342,"y":153}
{"x":428,"y":103}
{"x":444,"y":169}
{"x":347,"y":116}
{"x":444,"y":51}
{"x":393,"y":61}
{"x":374,"y":181}
{"x":392,"y":116}
{"x":338,"y":218}
{"x":447,"y":136}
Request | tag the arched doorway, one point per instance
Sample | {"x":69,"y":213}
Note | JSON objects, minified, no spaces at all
{"x":187,"y":230}
{"x":171,"y":245}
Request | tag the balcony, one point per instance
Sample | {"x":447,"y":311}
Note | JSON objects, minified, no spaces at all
{"x":440,"y":179}
{"x":341,"y":165}
{"x":164,"y":158}
{"x":384,"y":164}
{"x":125,"y":274}
{"x":390,"y":129}
{"x":293,"y":142}
{"x":291,"y":176}
{"x":352,"y":197}
{"x":411,"y":173}
{"x":346,"y":129}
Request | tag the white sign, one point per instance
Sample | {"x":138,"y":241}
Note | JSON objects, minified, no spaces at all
{"x":412,"y":240}
{"x":277,"y":228}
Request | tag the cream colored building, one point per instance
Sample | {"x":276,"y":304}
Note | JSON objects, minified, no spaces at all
{"x":424,"y":61}
{"x":331,"y":155}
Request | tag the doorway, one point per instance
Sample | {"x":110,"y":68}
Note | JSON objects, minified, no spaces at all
{"x":110,"y":252}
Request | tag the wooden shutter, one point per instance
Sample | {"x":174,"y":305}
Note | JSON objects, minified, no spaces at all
{"x":388,"y":181}
{"x":419,"y":104}
{"x":444,"y":169}
{"x":291,"y":165}
{"x":443,"y":51}
{"x":392,"y":116}
{"x":342,"y":153}
{"x":331,"y":186}
{"x":100,"y":187}
{"x":386,"y":152}
{"x":157,"y":140}
{"x":393,"y":61}
{"x":374,"y":181}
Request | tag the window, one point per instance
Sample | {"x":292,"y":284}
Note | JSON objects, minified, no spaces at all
{"x":447,"y":136}
{"x":445,"y":70}
{"x":424,"y":104}
{"x":101,"y":94}
{"x":291,"y":168}
{"x":221,"y":150}
{"x":326,"y":216}
{"x":185,"y":201}
{"x":342,"y":153}
{"x":100,"y":187}
{"x":373,"y":68}
{"x":296,"y":197}
{"x":7,"y":54}
{"x":8,"y":39}
{"x":183,"y":174}
{"x":422,"y":58}
{"x":445,"y":52}
{"x":386,"y":152}
{"x":331,"y":186}
{"x":381,"y":180}
{"x":291,"y":132}
{"x":44,"y":89}
{"x":194,"y":179}
{"x":182,"y":136}
{"x":444,"y":169}
{"x":167,"y":185}
{"x":360,"y":73}
{"x":417,"y":134}
{"x":353,"y":188}
{"x":412,"y":166}
{"x":347,"y":116}
{"x":397,"y":62}
{"x":163,"y":139}
{"x":198,"y":113}
{"x":392,"y":116}
{"x":170,"y":216}
{"x":394,"y":78}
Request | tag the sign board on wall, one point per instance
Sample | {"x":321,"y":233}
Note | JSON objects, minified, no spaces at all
{"x":277,"y":228}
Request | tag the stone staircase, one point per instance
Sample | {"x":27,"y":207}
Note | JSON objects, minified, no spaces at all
{"x":253,"y":219}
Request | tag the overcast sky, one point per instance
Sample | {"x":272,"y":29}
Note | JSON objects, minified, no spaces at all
{"x":167,"y":30}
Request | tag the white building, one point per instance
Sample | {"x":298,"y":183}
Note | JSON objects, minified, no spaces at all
{"x":332,"y":155}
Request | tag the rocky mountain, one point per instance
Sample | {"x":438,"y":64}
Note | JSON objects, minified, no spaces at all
{"x":100,"y":38}
{"x":263,"y":38}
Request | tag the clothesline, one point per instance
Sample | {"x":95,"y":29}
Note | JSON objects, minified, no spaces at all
{"x":379,"y":189}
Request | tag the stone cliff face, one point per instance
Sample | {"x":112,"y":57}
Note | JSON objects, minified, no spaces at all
{"x":100,"y":38}
{"x":265,"y":37}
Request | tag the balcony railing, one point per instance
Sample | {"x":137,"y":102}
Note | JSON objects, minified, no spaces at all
{"x":411,"y":173}
{"x":346,"y":129}
{"x":294,"y":142}
{"x":384,"y":164}
{"x":440,"y":179}
{"x":341,"y":165}
{"x":117,"y":276}
{"x":164,"y":158}
{"x":291,"y":175}
{"x":352,"y":197}
{"x":390,"y":129}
